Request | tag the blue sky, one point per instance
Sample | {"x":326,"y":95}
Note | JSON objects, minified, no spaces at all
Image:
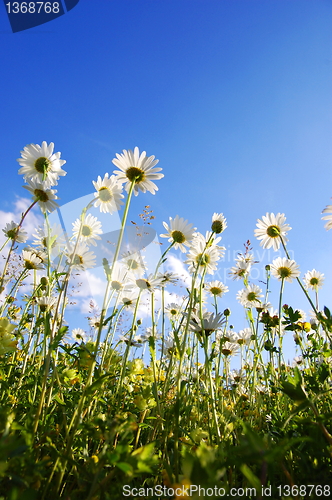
{"x":232,"y":96}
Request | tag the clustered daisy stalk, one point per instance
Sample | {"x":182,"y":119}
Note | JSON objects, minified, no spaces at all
{"x":153,"y":368}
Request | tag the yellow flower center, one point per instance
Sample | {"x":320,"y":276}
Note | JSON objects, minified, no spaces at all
{"x":203,"y":259}
{"x":104,"y":194}
{"x":116,"y":285}
{"x":217,"y":226}
{"x":178,"y":236}
{"x":78,"y":260}
{"x":273,"y":231}
{"x":41,"y":195}
{"x":42,"y":165}
{"x":86,"y":231}
{"x":284,"y":272}
{"x":135,"y":174}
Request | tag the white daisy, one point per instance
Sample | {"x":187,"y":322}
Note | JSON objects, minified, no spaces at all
{"x":169,"y":348}
{"x":243,"y":337}
{"x":135,"y":262}
{"x":328,"y":210}
{"x":13,"y":232}
{"x":109,"y":194}
{"x":173,"y":311}
{"x":287,"y":269}
{"x":216,"y":288}
{"x":129,"y":299}
{"x":169,"y":278}
{"x":52,"y":237}
{"x":209,"y":323}
{"x":247,"y":257}
{"x":119,"y":280}
{"x":40,"y":164}
{"x":236,"y":377}
{"x":44,"y":196}
{"x":250,"y":296}
{"x":82,"y":259}
{"x":230,"y":348}
{"x":31,"y":260}
{"x":134,"y":341}
{"x":46,"y":303}
{"x":78,"y":335}
{"x":313,"y":279}
{"x":219,"y":223}
{"x":202,"y":256}
{"x":41,"y":254}
{"x":240,"y":271}
{"x":302,"y":314}
{"x":298,"y":360}
{"x":150,"y":283}
{"x":94,"y":321}
{"x":179,"y":232}
{"x":271,"y":229}
{"x":138,"y":168}
{"x":91,"y":229}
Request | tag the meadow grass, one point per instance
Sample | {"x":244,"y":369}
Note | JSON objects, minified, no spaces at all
{"x":117,"y":412}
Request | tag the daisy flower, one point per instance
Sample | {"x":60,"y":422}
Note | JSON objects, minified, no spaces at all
{"x":250,"y":296}
{"x":31,"y":260}
{"x":173,"y":311}
{"x":219,"y":223}
{"x":328,"y":210}
{"x":150,"y":283}
{"x":139,"y":168}
{"x":169,"y":278}
{"x":216,"y":288}
{"x":179,"y":232}
{"x":135,"y":263}
{"x":13,"y":232}
{"x":270,"y":229}
{"x":313,"y":279}
{"x":248,"y":258}
{"x":240,"y":271}
{"x":40,"y":164}
{"x":44,"y":196}
{"x":236,"y":377}
{"x":169,"y":348}
{"x":120,"y":277}
{"x":129,"y":299}
{"x":82,"y":259}
{"x":52,"y":237}
{"x":94,"y":321}
{"x":302,"y":314}
{"x":283,"y":268}
{"x":243,"y":337}
{"x":203,"y":257}
{"x":38,"y":253}
{"x":46,"y":303}
{"x":230,"y":348}
{"x":108,"y":195}
{"x":135,"y":341}
{"x":91,"y":229}
{"x":210,"y":322}
{"x":78,"y":335}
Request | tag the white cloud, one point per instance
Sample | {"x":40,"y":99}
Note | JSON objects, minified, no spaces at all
{"x":31,"y":222}
{"x":175,"y":265}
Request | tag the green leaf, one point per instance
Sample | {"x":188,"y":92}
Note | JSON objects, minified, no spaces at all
{"x":126,"y":468}
{"x":252,"y":478}
{"x":57,"y":398}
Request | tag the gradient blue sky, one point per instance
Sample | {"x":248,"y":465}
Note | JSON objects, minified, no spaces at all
{"x":233,"y":96}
